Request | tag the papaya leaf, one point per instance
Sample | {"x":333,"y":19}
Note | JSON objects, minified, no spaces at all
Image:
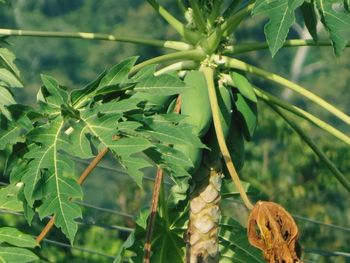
{"x":102,"y":123}
{"x":243,"y":86}
{"x":308,"y":11}
{"x":247,"y":114}
{"x":235,"y":144}
{"x":118,"y":74}
{"x":169,"y":133}
{"x":16,"y":238}
{"x":337,"y":24}
{"x":235,"y":244}
{"x":8,"y":79}
{"x":13,"y":128}
{"x":7,"y":60}
{"x":347,"y":5}
{"x":52,"y":96}
{"x":8,"y":198}
{"x":9,"y":132}
{"x":168,"y":243}
{"x":229,"y":189}
{"x":145,"y":72}
{"x":165,"y":84}
{"x":16,"y":255}
{"x":6,"y":98}
{"x":281,"y":16}
{"x":78,"y":95}
{"x":49,"y":165}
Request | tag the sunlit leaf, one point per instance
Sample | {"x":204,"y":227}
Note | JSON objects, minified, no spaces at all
{"x":8,"y":198}
{"x":16,"y":255}
{"x":7,"y":60}
{"x":118,"y":73}
{"x":281,"y":18}
{"x":243,"y":86}
{"x":14,"y":237}
{"x":9,"y":79}
{"x":337,"y":24}
{"x":162,"y":85}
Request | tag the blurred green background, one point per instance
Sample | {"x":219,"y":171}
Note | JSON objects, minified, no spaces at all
{"x":278,"y":165}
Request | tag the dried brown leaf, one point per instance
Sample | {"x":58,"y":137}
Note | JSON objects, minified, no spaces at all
{"x":272,"y":229}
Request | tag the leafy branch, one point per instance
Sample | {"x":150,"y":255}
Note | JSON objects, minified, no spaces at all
{"x":266,"y":96}
{"x":80,"y":181}
{"x":177,"y":45}
{"x":248,"y":47}
{"x":237,"y":64}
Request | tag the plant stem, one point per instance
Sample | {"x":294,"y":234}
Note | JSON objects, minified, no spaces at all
{"x":155,"y":200}
{"x":152,"y":219}
{"x":238,"y":49}
{"x":301,"y":113}
{"x":323,"y":157}
{"x":81,"y":180}
{"x":182,"y":7}
{"x":237,"y":64}
{"x":232,"y":8}
{"x":216,"y":11}
{"x":177,"y":45}
{"x":181,"y":65}
{"x":190,"y":54}
{"x":189,"y":35}
{"x":209,"y":76}
{"x":232,"y":22}
{"x":198,"y":16}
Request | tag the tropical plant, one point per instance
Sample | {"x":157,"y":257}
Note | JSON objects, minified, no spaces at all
{"x":187,"y":114}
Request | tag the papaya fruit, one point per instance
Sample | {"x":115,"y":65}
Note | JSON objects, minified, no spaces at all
{"x":195,"y":103}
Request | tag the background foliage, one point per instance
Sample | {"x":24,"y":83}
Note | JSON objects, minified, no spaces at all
{"x":279,"y":166}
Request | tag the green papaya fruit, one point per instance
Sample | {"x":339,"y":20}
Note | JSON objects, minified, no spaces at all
{"x":195,"y":102}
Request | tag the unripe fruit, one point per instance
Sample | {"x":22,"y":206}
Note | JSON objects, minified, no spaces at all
{"x":195,"y":103}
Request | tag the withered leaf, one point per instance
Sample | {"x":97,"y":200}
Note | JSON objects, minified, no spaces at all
{"x":273,"y":230}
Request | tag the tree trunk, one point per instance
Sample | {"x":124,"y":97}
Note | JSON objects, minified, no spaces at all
{"x":203,"y":243}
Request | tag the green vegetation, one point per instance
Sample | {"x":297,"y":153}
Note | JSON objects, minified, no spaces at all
{"x":67,"y":123}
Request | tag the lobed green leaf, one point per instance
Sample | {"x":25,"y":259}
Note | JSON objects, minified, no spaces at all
{"x":281,"y":16}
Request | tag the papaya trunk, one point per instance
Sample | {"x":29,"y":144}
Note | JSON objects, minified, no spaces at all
{"x":203,"y":243}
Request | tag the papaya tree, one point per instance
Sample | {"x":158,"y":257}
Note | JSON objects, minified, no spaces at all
{"x":187,"y":114}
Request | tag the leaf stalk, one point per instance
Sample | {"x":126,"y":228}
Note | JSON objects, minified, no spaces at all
{"x":238,"y":64}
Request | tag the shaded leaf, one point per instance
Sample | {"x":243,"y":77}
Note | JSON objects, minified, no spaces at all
{"x":308,"y":11}
{"x":233,"y":236}
{"x":248,"y":115}
{"x":229,"y":189}
{"x":8,"y":198}
{"x":347,"y":5}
